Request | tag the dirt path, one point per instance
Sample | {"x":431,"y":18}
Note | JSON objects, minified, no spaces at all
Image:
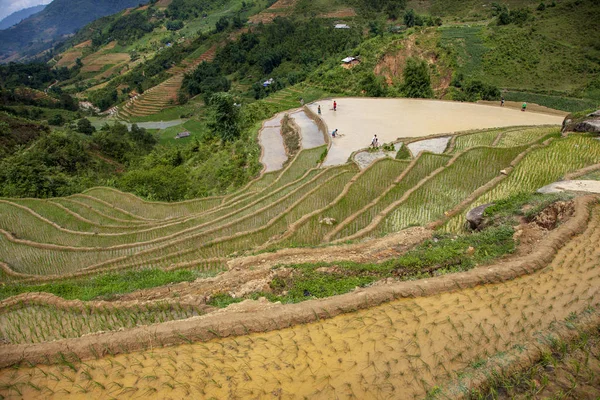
{"x":247,"y":273}
{"x":401,"y":349}
{"x":582,"y":186}
{"x":531,"y":107}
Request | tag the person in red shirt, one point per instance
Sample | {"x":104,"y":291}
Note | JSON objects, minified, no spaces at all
{"x":334,"y":106}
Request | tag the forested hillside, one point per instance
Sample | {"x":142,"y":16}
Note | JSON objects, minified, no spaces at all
{"x":16,"y":17}
{"x":187,"y":52}
{"x":59,"y":18}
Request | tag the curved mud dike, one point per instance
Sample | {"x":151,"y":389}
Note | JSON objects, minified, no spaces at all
{"x":520,"y":359}
{"x":279,"y":316}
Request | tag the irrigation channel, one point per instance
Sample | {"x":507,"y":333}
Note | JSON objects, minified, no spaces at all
{"x":401,"y":349}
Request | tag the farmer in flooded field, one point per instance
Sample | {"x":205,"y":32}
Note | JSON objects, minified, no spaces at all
{"x":334,"y":106}
{"x":374,"y":142}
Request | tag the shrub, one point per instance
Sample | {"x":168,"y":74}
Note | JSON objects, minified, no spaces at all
{"x":163,"y":182}
{"x":56,"y":120}
{"x":174,"y":25}
{"x":85,"y":126}
{"x":417,"y":82}
{"x":403,"y":153}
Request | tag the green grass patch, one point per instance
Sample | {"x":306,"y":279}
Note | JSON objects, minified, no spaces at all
{"x":105,"y":286}
{"x":196,"y":129}
{"x":468,"y":45}
{"x":556,"y":102}
{"x":524,"y":204}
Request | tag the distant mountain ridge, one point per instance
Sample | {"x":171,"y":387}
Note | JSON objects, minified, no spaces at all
{"x":61,"y":17}
{"x":20,"y":15}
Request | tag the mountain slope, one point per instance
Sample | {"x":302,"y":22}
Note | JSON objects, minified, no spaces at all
{"x":59,"y":18}
{"x":20,"y":15}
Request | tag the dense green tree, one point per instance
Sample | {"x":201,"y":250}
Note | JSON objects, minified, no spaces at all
{"x":373,"y":86}
{"x":142,"y":137}
{"x":56,"y":120}
{"x":237,"y":22}
{"x":222,"y":24}
{"x":206,"y":79}
{"x":68,"y":102}
{"x":225,"y":121}
{"x":162,"y":182}
{"x":394,"y":8}
{"x":417,"y":82}
{"x":104,"y":98}
{"x":475,"y":90}
{"x":174,"y":25}
{"x":410,"y":18}
{"x":85,"y":126}
{"x":45,"y":169}
{"x":186,"y":9}
{"x":113,"y":142}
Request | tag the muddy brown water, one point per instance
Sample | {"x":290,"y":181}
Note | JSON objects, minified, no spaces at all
{"x":273,"y":151}
{"x":309,"y":131}
{"x":358,"y":119}
{"x":398,"y":350}
{"x":435,"y":145}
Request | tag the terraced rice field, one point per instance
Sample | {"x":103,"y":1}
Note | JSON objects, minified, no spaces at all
{"x":164,"y":94}
{"x":104,"y":229}
{"x":408,"y":348}
{"x":398,"y":348}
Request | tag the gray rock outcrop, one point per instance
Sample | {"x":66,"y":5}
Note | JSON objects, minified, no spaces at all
{"x":588,"y":126}
{"x":589,"y":123}
{"x":475,"y":216}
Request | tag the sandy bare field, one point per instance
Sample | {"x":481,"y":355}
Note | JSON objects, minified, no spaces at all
{"x":358,"y":119}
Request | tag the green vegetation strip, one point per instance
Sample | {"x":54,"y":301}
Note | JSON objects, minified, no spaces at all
{"x":553,"y":101}
{"x":106,"y":286}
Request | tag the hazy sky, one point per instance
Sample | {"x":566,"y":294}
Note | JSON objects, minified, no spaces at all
{"x":8,"y":7}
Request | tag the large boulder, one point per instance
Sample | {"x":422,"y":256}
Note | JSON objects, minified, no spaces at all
{"x":591,"y":125}
{"x":588,"y":123}
{"x":595,"y":114}
{"x":475,"y":216}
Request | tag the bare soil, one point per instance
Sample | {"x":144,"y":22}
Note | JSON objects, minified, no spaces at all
{"x":391,"y":65}
{"x":531,"y":107}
